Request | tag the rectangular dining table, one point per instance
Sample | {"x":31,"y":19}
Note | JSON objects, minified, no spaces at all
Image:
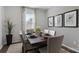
{"x":36,"y":40}
{"x":35,"y":43}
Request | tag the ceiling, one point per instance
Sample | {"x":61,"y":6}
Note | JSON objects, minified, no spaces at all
{"x":41,"y":7}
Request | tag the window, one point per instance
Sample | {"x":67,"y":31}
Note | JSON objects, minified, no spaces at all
{"x":29,"y":19}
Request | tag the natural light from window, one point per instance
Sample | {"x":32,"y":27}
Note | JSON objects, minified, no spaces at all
{"x":29,"y":19}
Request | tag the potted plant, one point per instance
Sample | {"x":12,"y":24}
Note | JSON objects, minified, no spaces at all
{"x":9,"y":35}
{"x":38,"y":30}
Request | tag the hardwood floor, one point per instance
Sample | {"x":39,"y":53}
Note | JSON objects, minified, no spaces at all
{"x":4,"y":49}
{"x":63,"y":49}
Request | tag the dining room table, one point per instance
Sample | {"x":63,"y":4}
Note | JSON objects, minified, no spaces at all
{"x":35,"y":42}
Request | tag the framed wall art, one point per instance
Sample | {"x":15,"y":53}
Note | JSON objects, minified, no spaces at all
{"x":51,"y":21}
{"x":71,"y":18}
{"x":58,"y":20}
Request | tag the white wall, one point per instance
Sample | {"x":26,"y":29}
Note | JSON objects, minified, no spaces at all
{"x":41,"y":17}
{"x":1,"y":19}
{"x":71,"y":38}
{"x":14,"y":14}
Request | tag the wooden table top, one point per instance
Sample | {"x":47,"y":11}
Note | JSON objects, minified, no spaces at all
{"x":35,"y":43}
{"x":36,"y":40}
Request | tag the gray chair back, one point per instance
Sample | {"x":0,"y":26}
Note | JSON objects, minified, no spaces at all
{"x":22,"y":36}
{"x":22,"y":39}
{"x":52,"y":33}
{"x":30,"y":31}
{"x":54,"y":44}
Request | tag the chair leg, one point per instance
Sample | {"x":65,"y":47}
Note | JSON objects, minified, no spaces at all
{"x":22,"y":49}
{"x":37,"y":50}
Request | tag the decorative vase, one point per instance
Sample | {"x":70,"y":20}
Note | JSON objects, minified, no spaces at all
{"x":9,"y":39}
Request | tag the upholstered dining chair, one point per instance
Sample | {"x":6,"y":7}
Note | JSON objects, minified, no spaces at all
{"x":54,"y":44}
{"x":46,"y":31}
{"x":30,"y":31}
{"x":52,"y":32}
{"x":23,"y":42}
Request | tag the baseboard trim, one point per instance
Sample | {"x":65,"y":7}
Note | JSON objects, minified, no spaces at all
{"x":16,"y":42}
{"x":72,"y":50}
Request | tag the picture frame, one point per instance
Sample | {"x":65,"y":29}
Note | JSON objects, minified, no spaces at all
{"x":71,"y":18}
{"x":58,"y":20}
{"x":50,"y":21}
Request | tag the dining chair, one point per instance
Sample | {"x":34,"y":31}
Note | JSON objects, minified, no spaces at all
{"x":54,"y":44}
{"x":52,"y":33}
{"x":23,"y":42}
{"x":25,"y":46}
{"x":30,"y":31}
{"x":46,"y":31}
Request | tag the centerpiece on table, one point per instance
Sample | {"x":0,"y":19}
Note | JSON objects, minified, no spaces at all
{"x":38,"y":30}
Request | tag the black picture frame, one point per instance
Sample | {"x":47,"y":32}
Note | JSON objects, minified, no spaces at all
{"x":58,"y":20}
{"x":51,"y":21}
{"x":72,"y":17}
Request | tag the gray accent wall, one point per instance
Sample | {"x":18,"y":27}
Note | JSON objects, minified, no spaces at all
{"x":71,"y":35}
